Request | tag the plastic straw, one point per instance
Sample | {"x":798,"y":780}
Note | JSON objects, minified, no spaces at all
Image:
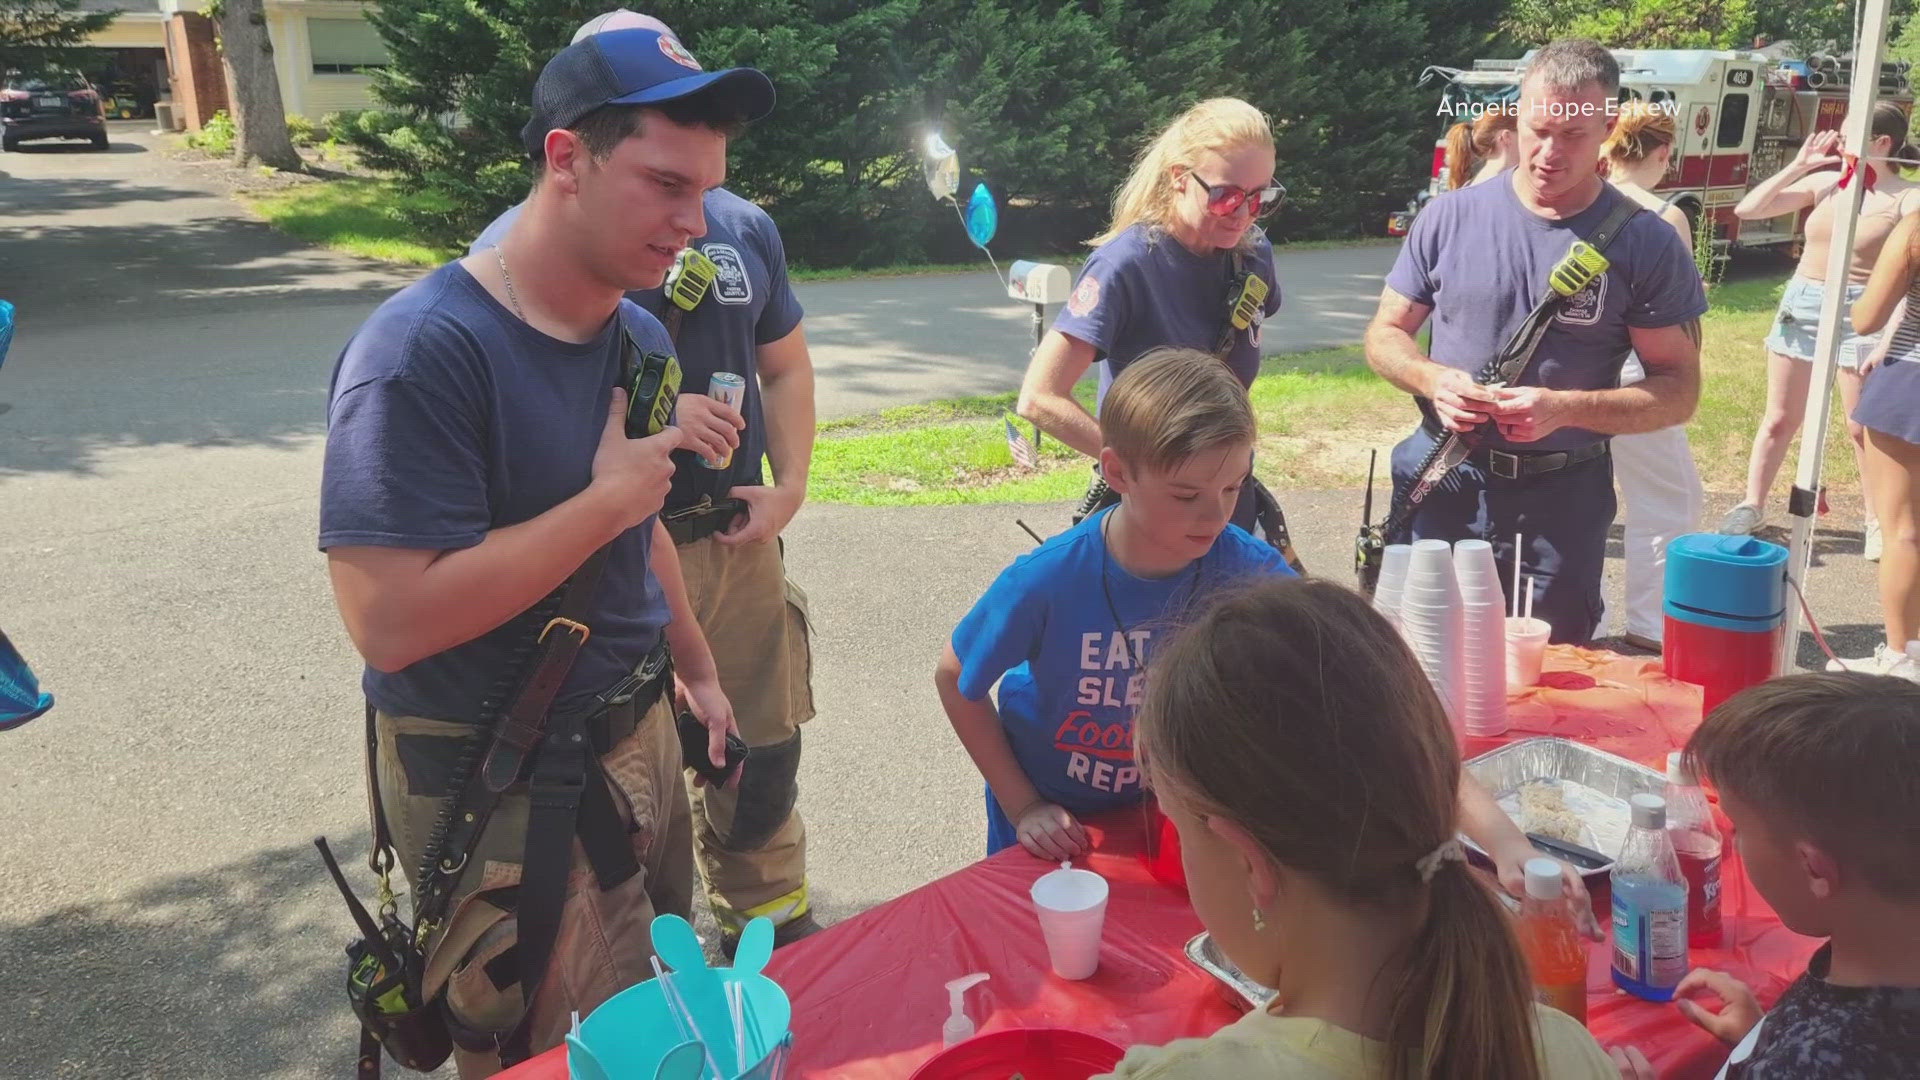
{"x":739,"y":1025}
{"x":1529,"y":596}
{"x":682,"y":1018}
{"x":576,"y":1023}
{"x":1516,"y":574}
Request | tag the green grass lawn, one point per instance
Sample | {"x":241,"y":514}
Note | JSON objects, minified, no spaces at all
{"x":1319,"y":413}
{"x":359,"y":217}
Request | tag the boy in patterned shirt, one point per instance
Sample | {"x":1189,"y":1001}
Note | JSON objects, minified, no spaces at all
{"x":1817,"y":774}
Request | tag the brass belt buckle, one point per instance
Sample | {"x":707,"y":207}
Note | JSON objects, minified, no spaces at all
{"x":1503,"y":464}
{"x":581,"y":628}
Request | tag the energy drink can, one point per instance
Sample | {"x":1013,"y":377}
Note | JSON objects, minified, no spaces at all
{"x":732,"y":390}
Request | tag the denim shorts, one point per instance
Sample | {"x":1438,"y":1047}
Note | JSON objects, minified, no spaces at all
{"x":1796,"y":325}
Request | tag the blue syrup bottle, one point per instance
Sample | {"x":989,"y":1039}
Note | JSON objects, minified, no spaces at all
{"x":1649,"y":907}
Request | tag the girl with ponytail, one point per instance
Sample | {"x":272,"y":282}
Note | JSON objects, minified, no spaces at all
{"x":1482,"y":148}
{"x":1184,"y":242}
{"x":1315,"y":781}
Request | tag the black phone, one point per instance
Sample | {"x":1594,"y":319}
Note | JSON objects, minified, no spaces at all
{"x":693,"y":750}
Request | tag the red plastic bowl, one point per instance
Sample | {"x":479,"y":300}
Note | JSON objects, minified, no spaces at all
{"x":1035,"y":1053}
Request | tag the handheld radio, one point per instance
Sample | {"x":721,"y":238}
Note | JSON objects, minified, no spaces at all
{"x":1253,"y":293}
{"x":1577,"y":269}
{"x":690,"y":278}
{"x":653,"y":388}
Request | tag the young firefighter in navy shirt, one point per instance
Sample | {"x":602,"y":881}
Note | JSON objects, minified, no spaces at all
{"x":1071,"y":624}
{"x":750,"y":843}
{"x":476,"y":456}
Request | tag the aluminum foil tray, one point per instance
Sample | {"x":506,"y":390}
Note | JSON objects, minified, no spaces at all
{"x":1207,"y":958}
{"x":1599,"y":785}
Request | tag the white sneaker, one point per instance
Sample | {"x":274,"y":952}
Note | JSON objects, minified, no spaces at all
{"x":1741,"y":520}
{"x":1870,"y":549}
{"x":1884,"y":661}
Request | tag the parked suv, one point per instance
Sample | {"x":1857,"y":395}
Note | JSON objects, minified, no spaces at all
{"x":55,"y":106}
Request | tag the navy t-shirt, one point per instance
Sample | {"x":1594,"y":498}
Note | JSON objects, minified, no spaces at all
{"x":1143,"y":289}
{"x":1070,"y":682}
{"x":450,"y":417}
{"x":1480,"y":260}
{"x":749,"y":305}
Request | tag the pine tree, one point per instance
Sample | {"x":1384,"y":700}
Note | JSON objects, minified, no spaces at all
{"x":1047,"y":102}
{"x":42,"y":35}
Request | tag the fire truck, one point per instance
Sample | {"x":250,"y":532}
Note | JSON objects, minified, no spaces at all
{"x":1739,"y":117}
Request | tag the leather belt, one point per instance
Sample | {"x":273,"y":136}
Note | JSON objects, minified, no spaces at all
{"x":610,"y":722}
{"x":1509,"y":465}
{"x":1513,"y":465}
{"x":691,"y":524}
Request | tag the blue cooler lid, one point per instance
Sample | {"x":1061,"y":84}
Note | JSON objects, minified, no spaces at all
{"x":1713,"y":578}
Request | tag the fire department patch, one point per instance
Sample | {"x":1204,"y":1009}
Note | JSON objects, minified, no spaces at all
{"x":731,"y":285}
{"x":1584,"y":307}
{"x":678,"y":53}
{"x":1700,"y":120}
{"x":1086,"y":297}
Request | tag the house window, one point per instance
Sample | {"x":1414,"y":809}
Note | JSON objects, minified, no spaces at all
{"x":344,"y":46}
{"x":1733,"y":120}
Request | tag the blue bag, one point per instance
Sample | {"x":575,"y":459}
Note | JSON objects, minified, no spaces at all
{"x":21,"y":698}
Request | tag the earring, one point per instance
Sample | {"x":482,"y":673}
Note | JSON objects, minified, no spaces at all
{"x":1259,"y":920}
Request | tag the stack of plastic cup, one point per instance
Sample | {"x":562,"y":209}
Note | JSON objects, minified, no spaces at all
{"x":1483,"y":664}
{"x":1431,"y":620}
{"x":1391,"y":588}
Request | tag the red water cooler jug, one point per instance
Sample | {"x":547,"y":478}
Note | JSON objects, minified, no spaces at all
{"x":1725,"y":601}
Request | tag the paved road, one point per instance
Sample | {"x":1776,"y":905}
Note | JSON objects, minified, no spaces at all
{"x":878,"y":342}
{"x":163,"y":912}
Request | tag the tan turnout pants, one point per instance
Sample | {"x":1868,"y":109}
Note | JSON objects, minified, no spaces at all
{"x":755,"y":620}
{"x":604,"y":944}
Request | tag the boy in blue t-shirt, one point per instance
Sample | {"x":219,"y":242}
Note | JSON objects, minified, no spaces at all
{"x":1069,"y":626}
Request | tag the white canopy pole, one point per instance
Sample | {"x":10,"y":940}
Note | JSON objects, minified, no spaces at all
{"x":1803,"y":504}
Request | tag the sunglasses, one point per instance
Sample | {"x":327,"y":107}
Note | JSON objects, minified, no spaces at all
{"x":1225,"y":200}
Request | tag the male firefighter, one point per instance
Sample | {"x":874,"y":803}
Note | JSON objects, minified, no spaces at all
{"x":726,"y":524}
{"x":1478,"y":260}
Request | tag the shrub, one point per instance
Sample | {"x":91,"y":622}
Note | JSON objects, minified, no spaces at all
{"x":215,"y":137}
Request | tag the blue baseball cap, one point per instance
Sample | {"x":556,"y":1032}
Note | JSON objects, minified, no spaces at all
{"x":633,"y":67}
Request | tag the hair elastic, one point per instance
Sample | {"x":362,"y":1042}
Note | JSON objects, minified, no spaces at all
{"x":1430,"y":863}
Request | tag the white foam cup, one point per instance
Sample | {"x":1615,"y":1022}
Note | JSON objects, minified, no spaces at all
{"x":1393,"y":575}
{"x":1526,"y":649}
{"x":1072,"y":905}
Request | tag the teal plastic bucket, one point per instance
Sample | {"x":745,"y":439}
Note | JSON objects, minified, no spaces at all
{"x":631,"y":1032}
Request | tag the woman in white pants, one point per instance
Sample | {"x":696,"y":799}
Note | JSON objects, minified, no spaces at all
{"x":1655,"y":471}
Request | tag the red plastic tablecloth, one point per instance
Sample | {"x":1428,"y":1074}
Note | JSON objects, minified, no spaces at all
{"x":869,"y":997}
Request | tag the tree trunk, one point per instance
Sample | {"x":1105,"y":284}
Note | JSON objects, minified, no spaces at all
{"x":259,"y":118}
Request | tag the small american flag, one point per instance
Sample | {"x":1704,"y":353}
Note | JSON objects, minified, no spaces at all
{"x":1024,"y":452}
